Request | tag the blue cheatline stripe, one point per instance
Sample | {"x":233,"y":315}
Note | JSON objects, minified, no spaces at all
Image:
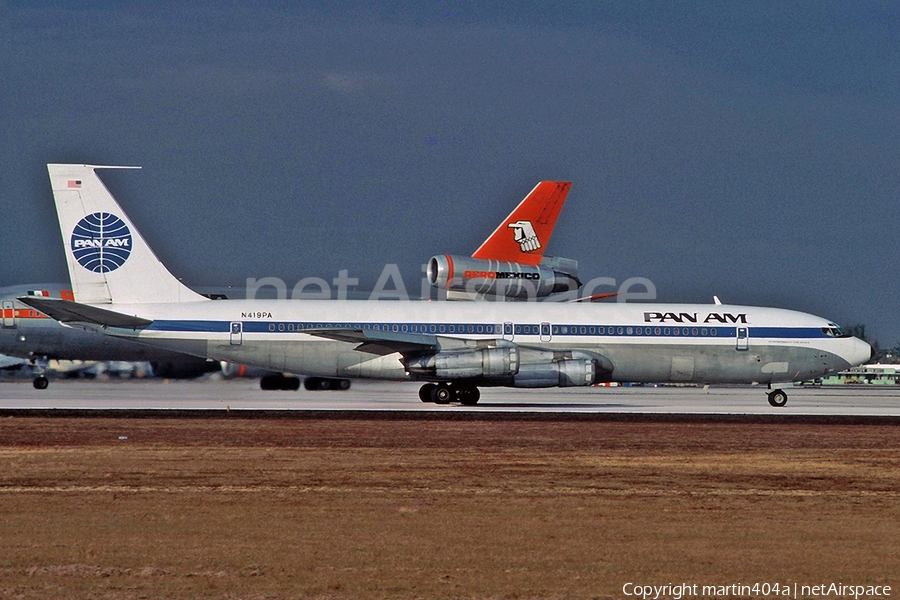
{"x":493,"y":329}
{"x":208,"y":326}
{"x":788,"y":332}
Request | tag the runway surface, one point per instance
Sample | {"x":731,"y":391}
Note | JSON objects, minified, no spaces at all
{"x":365,"y":396}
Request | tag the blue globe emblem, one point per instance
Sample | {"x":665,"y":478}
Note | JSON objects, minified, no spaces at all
{"x":101,"y":242}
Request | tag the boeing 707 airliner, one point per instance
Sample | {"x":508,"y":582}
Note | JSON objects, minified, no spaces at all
{"x":122,"y":289}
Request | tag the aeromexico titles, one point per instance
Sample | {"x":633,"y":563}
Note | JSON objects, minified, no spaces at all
{"x":453,"y":347}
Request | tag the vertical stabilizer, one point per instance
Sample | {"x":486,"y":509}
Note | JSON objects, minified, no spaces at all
{"x":522,"y":236}
{"x":108,"y":260}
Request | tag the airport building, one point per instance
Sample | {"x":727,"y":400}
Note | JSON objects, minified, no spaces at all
{"x":876,"y":374}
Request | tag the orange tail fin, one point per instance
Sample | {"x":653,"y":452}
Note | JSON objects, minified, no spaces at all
{"x":522,"y":236}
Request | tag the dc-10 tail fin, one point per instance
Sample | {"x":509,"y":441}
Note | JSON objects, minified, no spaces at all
{"x":522,"y":236}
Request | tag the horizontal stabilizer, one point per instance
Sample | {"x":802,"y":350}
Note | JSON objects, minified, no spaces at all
{"x":66,"y":311}
{"x":596,"y":297}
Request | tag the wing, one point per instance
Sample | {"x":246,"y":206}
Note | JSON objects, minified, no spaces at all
{"x":381,"y":342}
{"x":11,"y":362}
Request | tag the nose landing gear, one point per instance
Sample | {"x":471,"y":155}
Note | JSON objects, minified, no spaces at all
{"x":777,"y":398}
{"x":39,"y":367}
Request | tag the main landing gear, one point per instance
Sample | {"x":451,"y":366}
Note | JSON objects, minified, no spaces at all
{"x":777,"y":398}
{"x":280,"y":382}
{"x":326,"y":383}
{"x":445,"y":393}
{"x":292,"y":384}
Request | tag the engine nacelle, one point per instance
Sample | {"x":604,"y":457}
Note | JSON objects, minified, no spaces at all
{"x":563,"y":373}
{"x":488,"y":362}
{"x":500,"y":278}
{"x":505,"y":366}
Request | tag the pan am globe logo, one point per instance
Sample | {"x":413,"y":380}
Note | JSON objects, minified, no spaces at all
{"x":101,"y":242}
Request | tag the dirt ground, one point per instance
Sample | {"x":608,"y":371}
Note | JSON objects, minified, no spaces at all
{"x":240,"y":508}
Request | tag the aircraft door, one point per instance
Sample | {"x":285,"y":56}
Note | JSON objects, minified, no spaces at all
{"x":508,"y":331}
{"x":545,"y":332}
{"x":237,"y":333}
{"x":9,"y":313}
{"x":742,"y":340}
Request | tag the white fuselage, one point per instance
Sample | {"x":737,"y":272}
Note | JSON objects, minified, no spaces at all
{"x":639,"y":342}
{"x":522,"y":344}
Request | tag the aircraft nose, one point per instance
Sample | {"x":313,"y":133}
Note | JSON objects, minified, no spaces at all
{"x":860,"y":352}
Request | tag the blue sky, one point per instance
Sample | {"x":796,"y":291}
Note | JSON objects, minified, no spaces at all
{"x":748,"y":150}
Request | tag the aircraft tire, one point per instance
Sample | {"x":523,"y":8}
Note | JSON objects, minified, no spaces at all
{"x":777,"y":398}
{"x":425,"y":392}
{"x":279,"y":383}
{"x":269,"y":382}
{"x":40,"y":383}
{"x":321,"y":384}
{"x":317,"y":384}
{"x":442,"y":394}
{"x":468,"y":395}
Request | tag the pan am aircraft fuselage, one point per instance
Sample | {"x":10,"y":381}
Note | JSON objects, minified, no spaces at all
{"x":121,"y":289}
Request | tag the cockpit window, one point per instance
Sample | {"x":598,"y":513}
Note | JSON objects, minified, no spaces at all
{"x":834,"y":331}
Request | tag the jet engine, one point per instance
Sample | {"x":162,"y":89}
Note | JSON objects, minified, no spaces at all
{"x":488,"y":362}
{"x":513,"y":366}
{"x":473,"y":277}
{"x":562,"y":373}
